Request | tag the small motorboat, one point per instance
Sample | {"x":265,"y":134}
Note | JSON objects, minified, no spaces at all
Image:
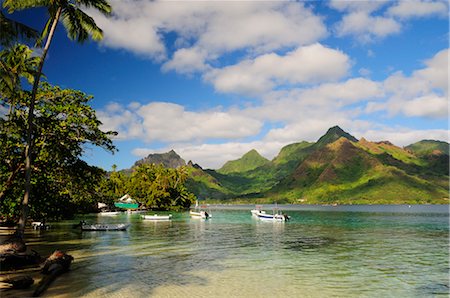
{"x":102,"y":227}
{"x":275,"y":216}
{"x":157,"y":217}
{"x":109,"y":213}
{"x":199,"y":214}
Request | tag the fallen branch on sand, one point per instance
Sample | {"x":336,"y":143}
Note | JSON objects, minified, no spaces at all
{"x":55,"y":265}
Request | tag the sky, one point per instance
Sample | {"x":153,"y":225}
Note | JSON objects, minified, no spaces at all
{"x":214,"y":79}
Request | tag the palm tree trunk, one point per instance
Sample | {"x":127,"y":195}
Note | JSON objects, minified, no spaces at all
{"x":28,"y":147}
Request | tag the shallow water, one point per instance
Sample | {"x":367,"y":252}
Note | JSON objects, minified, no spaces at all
{"x":342,"y":251}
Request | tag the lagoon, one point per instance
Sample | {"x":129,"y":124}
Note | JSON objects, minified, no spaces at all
{"x":324,"y":251}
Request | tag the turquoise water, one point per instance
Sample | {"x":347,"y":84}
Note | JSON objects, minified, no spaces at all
{"x":343,"y":251}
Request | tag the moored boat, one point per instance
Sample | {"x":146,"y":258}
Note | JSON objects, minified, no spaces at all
{"x":109,"y":213}
{"x":199,"y":213}
{"x":157,"y":217}
{"x":103,"y":227}
{"x":275,"y":216}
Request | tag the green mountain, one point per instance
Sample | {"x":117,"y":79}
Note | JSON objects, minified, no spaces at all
{"x":249,"y":161}
{"x":169,"y":160}
{"x":346,"y":172}
{"x":427,"y":147}
{"x":333,"y":134}
{"x":337,"y":168}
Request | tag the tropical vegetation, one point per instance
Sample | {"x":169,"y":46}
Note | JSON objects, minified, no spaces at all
{"x":45,"y":129}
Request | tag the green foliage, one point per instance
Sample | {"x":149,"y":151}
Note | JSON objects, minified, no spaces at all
{"x":249,"y":161}
{"x":63,"y":183}
{"x":427,"y":147}
{"x":11,"y":31}
{"x":153,"y":186}
{"x":340,"y":170}
{"x":78,"y":24}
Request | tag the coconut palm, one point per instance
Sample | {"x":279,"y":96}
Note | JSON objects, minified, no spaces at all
{"x":15,"y":63}
{"x":12,"y":30}
{"x":79,"y":27}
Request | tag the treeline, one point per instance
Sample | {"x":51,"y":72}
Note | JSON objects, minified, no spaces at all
{"x":152,"y":186}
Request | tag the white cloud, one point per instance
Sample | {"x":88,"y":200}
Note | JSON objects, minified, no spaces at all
{"x":367,"y":27}
{"x":207,"y":30}
{"x":427,"y":106}
{"x":186,"y":61}
{"x":411,"y":9}
{"x":404,"y":136}
{"x":308,"y":64}
{"x":423,"y":94}
{"x":168,"y":122}
{"x":367,"y":6}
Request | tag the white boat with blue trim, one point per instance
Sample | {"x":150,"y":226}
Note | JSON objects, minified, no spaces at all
{"x":275,"y":216}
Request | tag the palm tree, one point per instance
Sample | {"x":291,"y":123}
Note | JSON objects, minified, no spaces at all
{"x":79,"y":27}
{"x":15,"y":63}
{"x":12,"y":30}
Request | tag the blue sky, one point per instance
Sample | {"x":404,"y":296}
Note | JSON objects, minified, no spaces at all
{"x":213,"y":80}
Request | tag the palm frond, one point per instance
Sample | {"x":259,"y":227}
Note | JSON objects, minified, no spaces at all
{"x":11,"y":31}
{"x":79,"y":25}
{"x":13,"y":5}
{"x":101,"y":5}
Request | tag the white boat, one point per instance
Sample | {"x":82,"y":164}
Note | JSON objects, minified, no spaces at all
{"x":275,"y":216}
{"x":199,"y":214}
{"x":157,"y":217}
{"x":109,"y":213}
{"x":257,"y":210}
{"x":103,"y":227}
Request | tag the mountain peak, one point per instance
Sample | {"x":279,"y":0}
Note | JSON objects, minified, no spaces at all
{"x":333,"y":134}
{"x":169,"y":159}
{"x":249,"y":161}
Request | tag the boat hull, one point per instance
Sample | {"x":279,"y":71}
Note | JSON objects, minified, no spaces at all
{"x":199,"y":214}
{"x":157,"y":217}
{"x":104,"y":227}
{"x":272,"y":217}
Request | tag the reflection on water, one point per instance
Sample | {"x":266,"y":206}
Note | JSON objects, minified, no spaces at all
{"x":318,"y":253}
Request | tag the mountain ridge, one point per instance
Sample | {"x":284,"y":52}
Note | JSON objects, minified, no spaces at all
{"x":338,"y":168}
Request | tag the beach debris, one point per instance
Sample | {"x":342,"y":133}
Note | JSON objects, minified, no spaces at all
{"x":55,"y":265}
{"x":13,"y":244}
{"x":16,"y":282}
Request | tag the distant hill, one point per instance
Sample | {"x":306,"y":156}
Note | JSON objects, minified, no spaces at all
{"x":429,"y":147}
{"x":338,"y":168}
{"x":170,"y":160}
{"x":345,"y":172}
{"x":249,"y":161}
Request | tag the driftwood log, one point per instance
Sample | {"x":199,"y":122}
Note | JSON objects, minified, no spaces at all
{"x":15,"y":261}
{"x":17,"y":282}
{"x":13,"y":244}
{"x":55,"y":265}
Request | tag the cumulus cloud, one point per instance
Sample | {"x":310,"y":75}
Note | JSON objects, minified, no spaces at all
{"x":372,"y":20}
{"x":411,"y":9}
{"x":206,"y":30}
{"x":404,"y":136}
{"x":168,"y":122}
{"x":309,"y":64}
{"x":423,"y":94}
{"x":367,"y":27}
